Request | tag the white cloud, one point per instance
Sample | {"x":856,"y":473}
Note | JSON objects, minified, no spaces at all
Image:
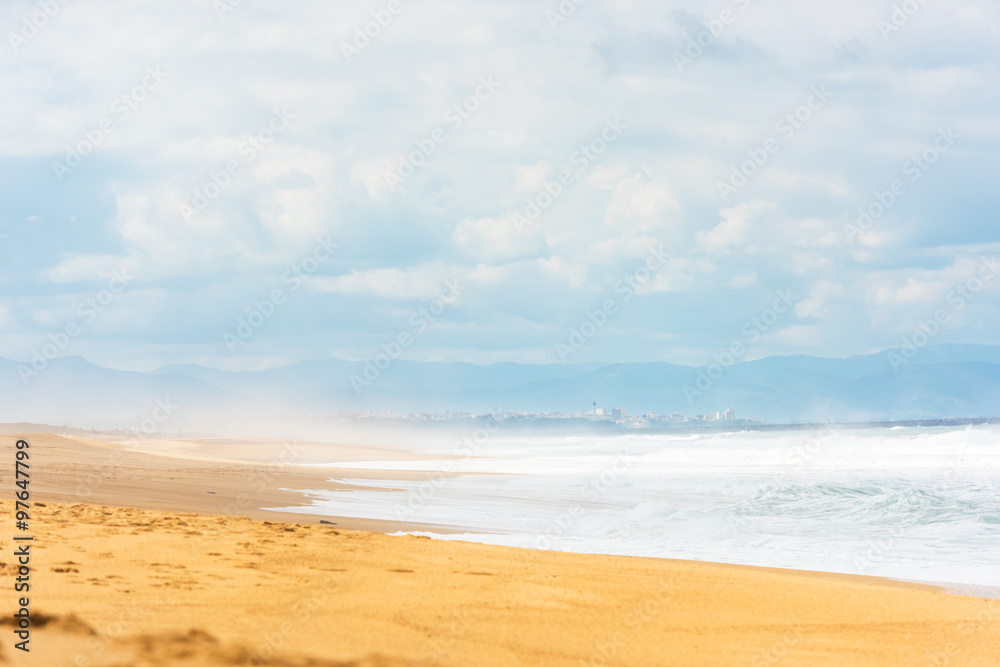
{"x":819,"y":297}
{"x":87,"y":268}
{"x":734,"y":230}
{"x":372,"y":174}
{"x":532,"y":178}
{"x":498,"y":239}
{"x":654,"y":186}
{"x":743,"y":280}
{"x":641,"y":203}
{"x":424,"y":282}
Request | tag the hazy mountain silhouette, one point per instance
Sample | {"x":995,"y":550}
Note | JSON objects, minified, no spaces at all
{"x":939,"y":382}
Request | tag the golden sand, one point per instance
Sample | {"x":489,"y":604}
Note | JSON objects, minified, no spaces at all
{"x":125,"y":586}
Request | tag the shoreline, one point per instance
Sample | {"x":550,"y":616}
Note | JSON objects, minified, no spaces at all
{"x":135,"y":561}
{"x":159,"y":477}
{"x":948,"y":587}
{"x":129,"y":586}
{"x":167,"y":476}
{"x":566,"y":426}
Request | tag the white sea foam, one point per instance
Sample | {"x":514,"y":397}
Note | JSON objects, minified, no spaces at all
{"x":916,"y":504}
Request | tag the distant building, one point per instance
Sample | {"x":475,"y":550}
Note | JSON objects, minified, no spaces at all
{"x":617,"y":413}
{"x":677,"y":417}
{"x":730,"y":415}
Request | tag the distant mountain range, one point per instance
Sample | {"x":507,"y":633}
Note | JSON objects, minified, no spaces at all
{"x":944,"y":381}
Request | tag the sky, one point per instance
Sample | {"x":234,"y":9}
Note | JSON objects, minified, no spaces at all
{"x":245,"y":184}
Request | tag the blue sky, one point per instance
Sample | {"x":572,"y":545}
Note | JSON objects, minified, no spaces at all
{"x":611,"y":122}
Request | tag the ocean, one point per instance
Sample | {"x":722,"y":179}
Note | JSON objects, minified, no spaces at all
{"x":915,"y":504}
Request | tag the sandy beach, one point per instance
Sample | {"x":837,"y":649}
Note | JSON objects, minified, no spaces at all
{"x":162,"y":557}
{"x":212,"y":476}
